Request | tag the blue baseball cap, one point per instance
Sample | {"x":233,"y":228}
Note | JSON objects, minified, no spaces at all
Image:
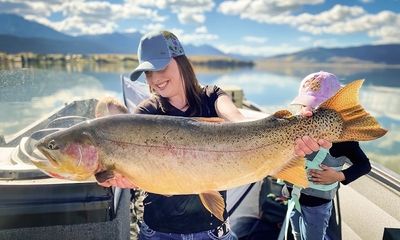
{"x":155,"y":52}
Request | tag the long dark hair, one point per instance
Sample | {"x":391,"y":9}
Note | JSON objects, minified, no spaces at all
{"x":191,"y":84}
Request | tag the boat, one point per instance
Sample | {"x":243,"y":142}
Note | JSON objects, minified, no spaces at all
{"x":35,"y":206}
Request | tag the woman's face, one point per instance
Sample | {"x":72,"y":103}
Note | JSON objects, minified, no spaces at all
{"x":167,"y":82}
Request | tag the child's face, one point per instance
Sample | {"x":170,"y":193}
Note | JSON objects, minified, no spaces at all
{"x":301,"y":109}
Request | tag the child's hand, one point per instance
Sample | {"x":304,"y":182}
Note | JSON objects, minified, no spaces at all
{"x":327,"y":175}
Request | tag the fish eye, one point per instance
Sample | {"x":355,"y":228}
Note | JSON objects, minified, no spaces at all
{"x":52,"y":145}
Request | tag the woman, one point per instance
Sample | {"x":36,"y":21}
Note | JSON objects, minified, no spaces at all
{"x":177,"y":92}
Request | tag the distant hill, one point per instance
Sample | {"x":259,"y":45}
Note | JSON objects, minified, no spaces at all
{"x":115,"y":42}
{"x":18,"y":26}
{"x":385,"y":54}
{"x":13,"y":44}
{"x":20,"y":35}
{"x":201,"y":49}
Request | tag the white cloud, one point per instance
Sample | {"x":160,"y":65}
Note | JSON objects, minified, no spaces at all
{"x":189,"y":11}
{"x":254,"y":39}
{"x":22,"y":7}
{"x":249,"y":8}
{"x":148,"y":3}
{"x":199,"y":36}
{"x":386,"y":34}
{"x":305,"y":39}
{"x":202,"y":29}
{"x":81,"y":17}
{"x":191,"y":17}
{"x":153,"y":27}
{"x":326,"y":42}
{"x":258,"y":50}
{"x":97,"y":17}
{"x":338,"y":20}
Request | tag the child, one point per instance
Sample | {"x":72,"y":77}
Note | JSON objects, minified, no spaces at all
{"x":316,"y":200}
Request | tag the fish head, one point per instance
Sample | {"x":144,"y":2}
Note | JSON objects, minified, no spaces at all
{"x":71,"y":154}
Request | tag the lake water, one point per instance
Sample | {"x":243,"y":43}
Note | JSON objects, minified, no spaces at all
{"x":30,"y":93}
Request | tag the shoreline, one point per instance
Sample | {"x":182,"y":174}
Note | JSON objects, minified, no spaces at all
{"x":31,"y":59}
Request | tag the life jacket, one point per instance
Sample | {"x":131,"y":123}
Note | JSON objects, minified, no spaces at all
{"x":325,"y":191}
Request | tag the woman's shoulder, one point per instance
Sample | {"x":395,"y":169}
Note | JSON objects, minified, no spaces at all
{"x":148,"y":106}
{"x":210,"y":90}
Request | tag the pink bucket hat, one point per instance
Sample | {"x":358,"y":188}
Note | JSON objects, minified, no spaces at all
{"x":316,"y":88}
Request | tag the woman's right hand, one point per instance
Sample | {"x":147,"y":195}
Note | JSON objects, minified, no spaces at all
{"x":117,"y":181}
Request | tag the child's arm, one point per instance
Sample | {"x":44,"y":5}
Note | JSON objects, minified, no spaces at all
{"x":360,"y":162}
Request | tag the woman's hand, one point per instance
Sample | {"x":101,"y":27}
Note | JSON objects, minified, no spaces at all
{"x":306,"y":145}
{"x":327,"y":175}
{"x":117,"y":181}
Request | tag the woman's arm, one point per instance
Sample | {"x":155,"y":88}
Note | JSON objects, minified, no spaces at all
{"x":227,"y":110}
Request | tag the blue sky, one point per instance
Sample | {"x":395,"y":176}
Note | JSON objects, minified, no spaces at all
{"x":249,"y":27}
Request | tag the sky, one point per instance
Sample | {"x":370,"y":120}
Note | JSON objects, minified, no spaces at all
{"x":247,"y":27}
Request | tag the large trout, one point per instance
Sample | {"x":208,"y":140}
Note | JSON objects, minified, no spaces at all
{"x":175,"y":155}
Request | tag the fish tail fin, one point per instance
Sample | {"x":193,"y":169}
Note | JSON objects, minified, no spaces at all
{"x":294,"y":172}
{"x":358,"y":125}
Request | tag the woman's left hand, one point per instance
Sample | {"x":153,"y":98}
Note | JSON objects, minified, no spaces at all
{"x":306,"y":144}
{"x":326,"y":175}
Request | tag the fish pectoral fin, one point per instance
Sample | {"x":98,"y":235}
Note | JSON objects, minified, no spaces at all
{"x":283,"y":114}
{"x":104,"y":176}
{"x":208,"y":119}
{"x":214,"y":203}
{"x":294,"y":172}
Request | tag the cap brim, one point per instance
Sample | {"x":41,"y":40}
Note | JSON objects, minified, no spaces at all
{"x":153,"y":65}
{"x":305,"y":100}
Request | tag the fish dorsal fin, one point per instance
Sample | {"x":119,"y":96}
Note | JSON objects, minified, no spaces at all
{"x":294,"y":172}
{"x":283,"y":114}
{"x":214,"y":203}
{"x":358,"y":125}
{"x":209,"y":119}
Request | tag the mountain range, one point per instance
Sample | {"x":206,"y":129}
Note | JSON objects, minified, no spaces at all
{"x":383,"y":54}
{"x":20,"y":35}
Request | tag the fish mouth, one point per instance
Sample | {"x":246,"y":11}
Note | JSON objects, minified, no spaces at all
{"x":51,"y":159}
